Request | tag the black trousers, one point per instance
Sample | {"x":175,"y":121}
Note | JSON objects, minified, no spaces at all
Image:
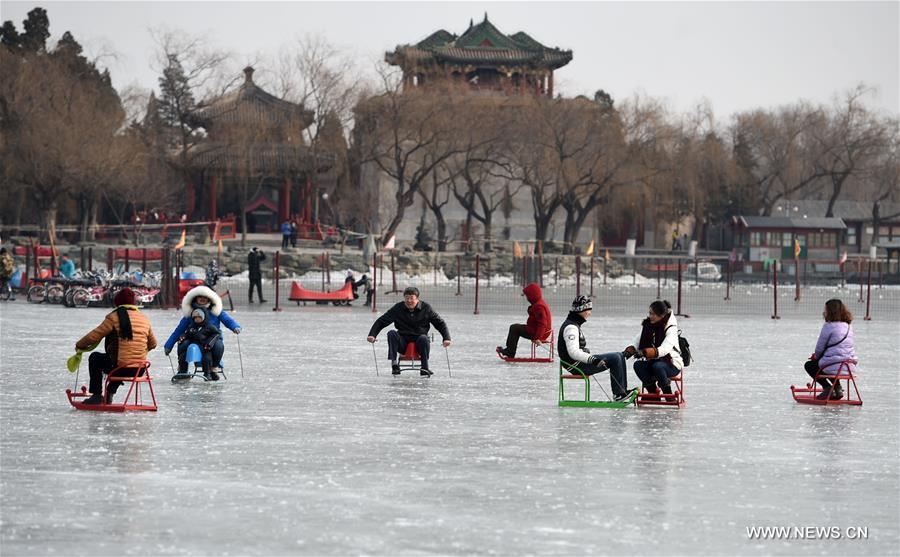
{"x":210,"y":357}
{"x":99,"y":363}
{"x":255,"y":281}
{"x":825,"y":383}
{"x":397,"y":344}
{"x":516,"y":331}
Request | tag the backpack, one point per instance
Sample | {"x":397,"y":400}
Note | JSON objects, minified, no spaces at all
{"x":684,"y":348}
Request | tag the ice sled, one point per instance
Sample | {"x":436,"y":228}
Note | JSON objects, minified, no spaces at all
{"x":673,"y":400}
{"x":809,"y":394}
{"x":339,"y":297}
{"x":571,"y":372}
{"x":195,"y":356}
{"x":136,"y":374}
{"x":410,"y":360}
{"x":535,"y":357}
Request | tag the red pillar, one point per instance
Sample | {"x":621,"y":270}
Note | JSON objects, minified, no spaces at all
{"x":550,"y":85}
{"x":284,"y":208}
{"x":213,"y":195}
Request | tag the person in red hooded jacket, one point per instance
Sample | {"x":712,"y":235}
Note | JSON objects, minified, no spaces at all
{"x":537,"y":328}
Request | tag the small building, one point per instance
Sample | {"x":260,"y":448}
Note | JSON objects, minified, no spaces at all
{"x":481,"y":59}
{"x":254,"y":159}
{"x":761,"y":239}
{"x":860,"y":233}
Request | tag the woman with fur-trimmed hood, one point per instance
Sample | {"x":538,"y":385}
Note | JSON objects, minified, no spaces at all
{"x":205,"y":298}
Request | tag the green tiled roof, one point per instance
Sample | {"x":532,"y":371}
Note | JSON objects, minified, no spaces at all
{"x":483,"y":44}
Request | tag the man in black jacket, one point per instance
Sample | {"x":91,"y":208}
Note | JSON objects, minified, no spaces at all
{"x":253,"y":260}
{"x":412,"y":319}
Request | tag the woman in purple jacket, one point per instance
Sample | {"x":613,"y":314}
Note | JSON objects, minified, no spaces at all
{"x":835,"y":345}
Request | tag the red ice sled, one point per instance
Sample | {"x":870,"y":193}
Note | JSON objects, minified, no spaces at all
{"x":535,"y":358}
{"x":809,"y":394}
{"x":338,"y":297}
{"x":675,"y":400}
{"x":133,"y":400}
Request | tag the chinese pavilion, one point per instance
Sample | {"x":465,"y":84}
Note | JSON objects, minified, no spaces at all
{"x":254,"y":156}
{"x":482,"y":58}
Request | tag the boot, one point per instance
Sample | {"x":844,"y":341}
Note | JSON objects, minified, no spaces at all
{"x":651,"y":388}
{"x":93,"y":399}
{"x":667,"y":388}
{"x":838,"y":392}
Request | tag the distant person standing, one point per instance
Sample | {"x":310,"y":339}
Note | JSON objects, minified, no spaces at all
{"x":285,"y":234}
{"x":253,"y":260}
{"x":293,"y":234}
{"x":67,"y":267}
{"x":7,"y":268}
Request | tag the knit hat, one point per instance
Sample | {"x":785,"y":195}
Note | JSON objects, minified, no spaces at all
{"x":124,"y":297}
{"x":198,"y":312}
{"x":581,"y":303}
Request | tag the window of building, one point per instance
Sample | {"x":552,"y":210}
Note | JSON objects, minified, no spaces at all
{"x":787,"y":239}
{"x":850,"y":236}
{"x":774,"y":239}
{"x":755,"y":239}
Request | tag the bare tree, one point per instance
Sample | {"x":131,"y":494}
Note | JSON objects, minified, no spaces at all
{"x":773,"y":149}
{"x":848,"y":138}
{"x":406,"y":135}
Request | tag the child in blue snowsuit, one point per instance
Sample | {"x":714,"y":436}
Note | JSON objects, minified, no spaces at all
{"x":204,"y":335}
{"x":206,"y":299}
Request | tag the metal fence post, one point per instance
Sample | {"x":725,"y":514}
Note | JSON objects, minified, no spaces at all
{"x":592,"y":276}
{"x":775,"y":289}
{"x":459,"y":275}
{"x":577,"y":276}
{"x":127,"y":260}
{"x":477,"y":278}
{"x":277,"y":278}
{"x":797,"y":280}
{"x":869,"y":293}
{"x":728,"y":280}
{"x":658,"y":280}
{"x":374,"y":281}
{"x":679,"y":312}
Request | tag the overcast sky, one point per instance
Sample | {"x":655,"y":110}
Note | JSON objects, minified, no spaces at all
{"x":735,"y":55}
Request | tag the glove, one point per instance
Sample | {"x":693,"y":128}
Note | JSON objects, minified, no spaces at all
{"x":237,"y":331}
{"x":650,"y":353}
{"x":168,"y":350}
{"x":629,"y":352}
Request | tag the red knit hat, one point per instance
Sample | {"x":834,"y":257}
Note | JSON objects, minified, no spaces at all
{"x":124,"y":297}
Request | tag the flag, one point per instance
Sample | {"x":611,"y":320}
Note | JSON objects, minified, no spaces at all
{"x":517,"y":249}
{"x":590,"y":250}
{"x":530,"y":250}
{"x":796,"y":248}
{"x":606,"y":255}
{"x":390,"y":243}
{"x":183,"y":239}
{"x":843,"y":258}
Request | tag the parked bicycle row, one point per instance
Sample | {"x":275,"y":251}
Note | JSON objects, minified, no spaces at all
{"x":93,"y":288}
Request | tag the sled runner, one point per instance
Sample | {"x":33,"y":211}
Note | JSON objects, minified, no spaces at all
{"x":195,"y":356}
{"x":544,"y":358}
{"x":810,"y":394}
{"x":573,"y":373}
{"x":340,"y":297}
{"x":135,"y":374}
{"x":674,"y":400}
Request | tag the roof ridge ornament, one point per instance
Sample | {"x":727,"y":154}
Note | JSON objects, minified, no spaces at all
{"x":248,"y":74}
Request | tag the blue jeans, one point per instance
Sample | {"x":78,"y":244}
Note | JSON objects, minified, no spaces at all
{"x":615,"y":361}
{"x":652,"y":372}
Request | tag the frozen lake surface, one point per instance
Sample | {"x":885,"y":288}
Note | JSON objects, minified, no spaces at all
{"x":311,"y":453}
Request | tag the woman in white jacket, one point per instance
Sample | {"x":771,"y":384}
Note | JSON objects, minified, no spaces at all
{"x":658,"y":344}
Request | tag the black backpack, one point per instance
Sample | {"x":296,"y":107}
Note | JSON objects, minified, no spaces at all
{"x":684,"y":348}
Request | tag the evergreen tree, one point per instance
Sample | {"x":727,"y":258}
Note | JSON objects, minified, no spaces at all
{"x":37,"y":30}
{"x":176,"y":98}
